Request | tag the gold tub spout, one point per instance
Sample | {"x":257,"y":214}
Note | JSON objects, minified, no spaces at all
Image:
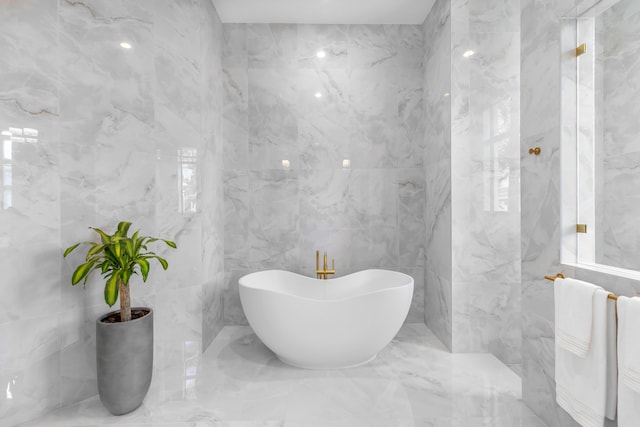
{"x":322,"y":274}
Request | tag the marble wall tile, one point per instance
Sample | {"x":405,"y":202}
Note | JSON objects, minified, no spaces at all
{"x":236,"y":118}
{"x":373,"y":118}
{"x":236,"y":218}
{"x":323,"y":123}
{"x":410,"y":47}
{"x":411,"y":118}
{"x":234,"y":46}
{"x":109,"y":126}
{"x":471,"y":158}
{"x":212,"y":274}
{"x":416,"y":311}
{"x":233,"y":313}
{"x":78,"y":355}
{"x":540,"y":217}
{"x":373,"y":46}
{"x":373,"y":195}
{"x":333,"y":40}
{"x":29,"y":210}
{"x":485,"y":320}
{"x":273,"y":218}
{"x":273,"y":125}
{"x":324,"y":200}
{"x":494,"y":16}
{"x":272,"y":45}
{"x":485,"y":169}
{"x":411,"y":220}
{"x":615,"y":32}
{"x":338,"y":121}
{"x":30,"y":84}
{"x":28,"y":395}
{"x":437,"y":163}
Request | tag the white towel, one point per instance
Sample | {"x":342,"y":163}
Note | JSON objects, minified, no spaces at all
{"x":629,"y":362}
{"x":574,"y":314}
{"x":583,"y":387}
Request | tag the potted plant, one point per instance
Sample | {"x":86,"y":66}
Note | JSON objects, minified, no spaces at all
{"x":124,"y":338}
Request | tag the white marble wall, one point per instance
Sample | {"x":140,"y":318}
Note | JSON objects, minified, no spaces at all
{"x":473,"y":210}
{"x":541,"y":196}
{"x":369,"y":215}
{"x":437,"y":106}
{"x":485,"y":165}
{"x":118,"y":134}
{"x":617,"y":95}
{"x":540,"y":184}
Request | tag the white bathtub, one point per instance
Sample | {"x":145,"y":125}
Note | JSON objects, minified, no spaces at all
{"x":326,"y":324}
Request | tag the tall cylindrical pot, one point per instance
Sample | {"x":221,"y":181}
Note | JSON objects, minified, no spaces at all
{"x":124,"y":352}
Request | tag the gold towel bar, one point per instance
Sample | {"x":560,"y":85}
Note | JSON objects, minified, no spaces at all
{"x":561,"y":276}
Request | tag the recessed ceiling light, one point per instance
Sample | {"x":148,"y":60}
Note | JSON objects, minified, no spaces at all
{"x":321,"y":54}
{"x":318,"y":95}
{"x":125,"y":45}
{"x":468,"y":53}
{"x":446,"y":94}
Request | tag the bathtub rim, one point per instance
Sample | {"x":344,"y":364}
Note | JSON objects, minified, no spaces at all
{"x":410,"y":283}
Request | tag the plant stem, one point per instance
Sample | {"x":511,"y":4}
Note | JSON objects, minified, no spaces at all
{"x":125,"y":302}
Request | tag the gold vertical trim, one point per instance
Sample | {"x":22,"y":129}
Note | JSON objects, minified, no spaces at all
{"x":581,"y":228}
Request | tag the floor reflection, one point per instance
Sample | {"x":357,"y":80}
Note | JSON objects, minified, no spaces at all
{"x":238,"y":382}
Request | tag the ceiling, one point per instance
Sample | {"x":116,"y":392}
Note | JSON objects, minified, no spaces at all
{"x":324,"y":11}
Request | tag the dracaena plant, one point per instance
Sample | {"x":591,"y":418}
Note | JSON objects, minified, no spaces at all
{"x":118,"y":258}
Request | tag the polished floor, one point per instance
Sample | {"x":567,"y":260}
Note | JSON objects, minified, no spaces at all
{"x":238,"y":382}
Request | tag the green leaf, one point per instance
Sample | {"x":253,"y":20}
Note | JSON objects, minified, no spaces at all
{"x":111,"y":289}
{"x":163,"y":262}
{"x":105,"y":266}
{"x":170,"y":243}
{"x":70,"y":249}
{"x":108,"y":252}
{"x":81,"y":272}
{"x":94,"y":250}
{"x":130,"y":248}
{"x":125,"y":275}
{"x":123,"y":227}
{"x":117,"y":249}
{"x":144,"y":268}
{"x":106,"y":239}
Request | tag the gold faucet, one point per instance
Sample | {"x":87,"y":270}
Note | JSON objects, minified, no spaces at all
{"x":322,"y":274}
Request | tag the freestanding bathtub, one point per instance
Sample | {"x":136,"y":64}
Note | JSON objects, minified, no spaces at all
{"x":326,"y":324}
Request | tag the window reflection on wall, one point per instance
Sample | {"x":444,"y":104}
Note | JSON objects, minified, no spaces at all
{"x":496,"y":124}
{"x":190,"y":357}
{"x":10,"y":138}
{"x":188,"y":180}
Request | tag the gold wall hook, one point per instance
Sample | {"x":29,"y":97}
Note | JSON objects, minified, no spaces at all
{"x":535,"y":151}
{"x":581,"y":50}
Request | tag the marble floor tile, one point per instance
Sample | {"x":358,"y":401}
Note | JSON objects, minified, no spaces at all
{"x":238,"y":382}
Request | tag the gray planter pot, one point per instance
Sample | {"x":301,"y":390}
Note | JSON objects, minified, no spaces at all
{"x":124,"y":353}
